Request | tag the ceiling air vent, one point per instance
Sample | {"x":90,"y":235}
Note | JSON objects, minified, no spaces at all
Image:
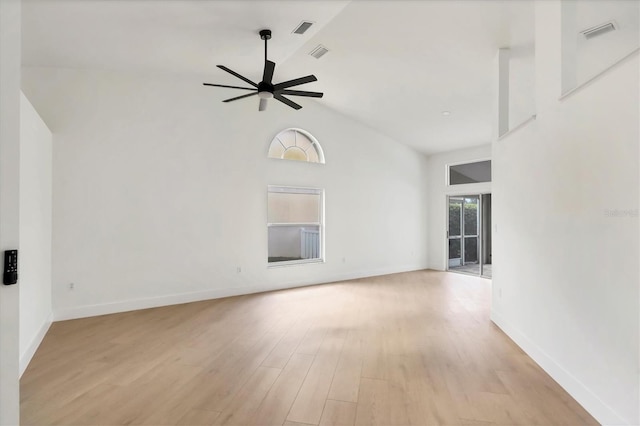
{"x":303,"y":27}
{"x":598,"y":30}
{"x":319,"y":51}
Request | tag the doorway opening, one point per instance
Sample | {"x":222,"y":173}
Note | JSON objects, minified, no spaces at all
{"x":469,"y":234}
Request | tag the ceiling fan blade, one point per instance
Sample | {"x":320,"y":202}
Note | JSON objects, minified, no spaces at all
{"x":269,"y":67}
{"x":263,"y":105}
{"x":229,"y":87}
{"x":301,"y":93}
{"x":222,"y":67}
{"x":240,"y":97}
{"x":295,"y":82}
{"x":287,"y":101}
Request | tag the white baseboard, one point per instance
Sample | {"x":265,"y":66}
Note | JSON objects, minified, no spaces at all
{"x":604,"y":414}
{"x":25,"y":358}
{"x":176,"y":299}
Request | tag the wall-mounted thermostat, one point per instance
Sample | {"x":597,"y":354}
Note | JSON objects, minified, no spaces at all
{"x":10,"y":275}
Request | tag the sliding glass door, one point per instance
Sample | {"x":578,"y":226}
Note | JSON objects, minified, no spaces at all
{"x":466,"y":235}
{"x":485,"y":216}
{"x":455,"y":232}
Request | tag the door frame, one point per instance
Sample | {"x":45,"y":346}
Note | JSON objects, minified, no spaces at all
{"x":480,"y":236}
{"x":461,"y":230}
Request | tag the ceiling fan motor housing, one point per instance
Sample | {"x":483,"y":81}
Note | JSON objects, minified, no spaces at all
{"x":265,"y":34}
{"x":265,"y":90}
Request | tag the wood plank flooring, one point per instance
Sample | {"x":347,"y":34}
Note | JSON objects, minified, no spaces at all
{"x":407,"y":349}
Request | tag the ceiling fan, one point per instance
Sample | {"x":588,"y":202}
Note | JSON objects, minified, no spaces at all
{"x":266,"y":89}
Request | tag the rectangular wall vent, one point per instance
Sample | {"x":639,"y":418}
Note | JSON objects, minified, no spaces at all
{"x":598,"y":30}
{"x":303,"y":27}
{"x":319,"y":51}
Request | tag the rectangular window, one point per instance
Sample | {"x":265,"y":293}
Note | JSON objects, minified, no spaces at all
{"x":477,"y":172}
{"x":295,"y":225}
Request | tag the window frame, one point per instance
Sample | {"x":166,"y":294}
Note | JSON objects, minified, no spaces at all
{"x":314,"y":143}
{"x":459,"y":163}
{"x":288,"y":189}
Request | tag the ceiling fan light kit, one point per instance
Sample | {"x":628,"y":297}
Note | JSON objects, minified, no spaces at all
{"x":266,"y":89}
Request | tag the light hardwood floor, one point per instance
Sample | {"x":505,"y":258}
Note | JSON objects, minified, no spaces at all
{"x":406,"y":349}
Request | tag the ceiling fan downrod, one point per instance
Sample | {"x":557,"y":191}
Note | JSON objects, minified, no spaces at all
{"x":265,"y":88}
{"x":265,"y":35}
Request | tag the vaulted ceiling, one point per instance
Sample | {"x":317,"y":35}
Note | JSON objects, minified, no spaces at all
{"x":395,"y":66}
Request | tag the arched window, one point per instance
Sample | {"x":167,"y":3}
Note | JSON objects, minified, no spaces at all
{"x":297,"y":145}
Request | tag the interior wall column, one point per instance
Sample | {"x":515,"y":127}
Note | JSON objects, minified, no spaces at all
{"x":10,"y":21}
{"x":502,"y":113}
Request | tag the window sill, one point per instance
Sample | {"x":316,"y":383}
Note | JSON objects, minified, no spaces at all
{"x":293,"y":263}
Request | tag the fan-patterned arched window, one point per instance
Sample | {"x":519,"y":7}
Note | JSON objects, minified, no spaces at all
{"x":297,"y":145}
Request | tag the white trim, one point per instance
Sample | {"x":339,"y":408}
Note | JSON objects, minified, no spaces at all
{"x":180,"y":298}
{"x":294,"y":262}
{"x":583,"y":395}
{"x":294,"y":224}
{"x":470,"y":189}
{"x":28,"y":354}
{"x":314,"y":143}
{"x":288,"y":189}
{"x":518,"y":127}
{"x":570,"y":92}
{"x":471,"y":160}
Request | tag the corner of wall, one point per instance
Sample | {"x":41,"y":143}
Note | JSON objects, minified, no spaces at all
{"x":30,"y":351}
{"x":35,"y":201}
{"x":553,"y":280}
{"x":581,"y":393}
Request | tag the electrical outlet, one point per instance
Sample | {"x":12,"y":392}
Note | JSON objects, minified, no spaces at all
{"x":344,"y":260}
{"x":72,"y":286}
{"x":238,"y":269}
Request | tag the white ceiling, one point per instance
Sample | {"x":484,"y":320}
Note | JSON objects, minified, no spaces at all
{"x":168,"y":36}
{"x":393,"y":65}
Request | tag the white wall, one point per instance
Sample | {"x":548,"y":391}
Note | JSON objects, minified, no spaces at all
{"x":438,"y":192}
{"x":35,"y":231}
{"x":521,"y":63}
{"x":596,"y":54}
{"x":161,"y":192}
{"x":565,"y":276}
{"x":10,"y":11}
